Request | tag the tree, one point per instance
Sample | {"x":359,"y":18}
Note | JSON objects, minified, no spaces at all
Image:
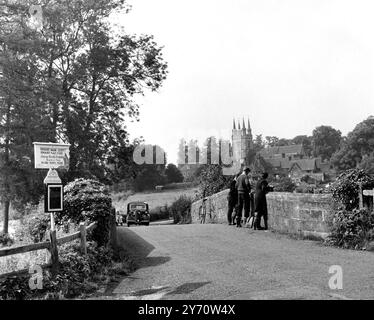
{"x":74,"y":80}
{"x":357,"y":147}
{"x":367,"y":164}
{"x":147,"y":176}
{"x":89,"y":73}
{"x":306,"y":142}
{"x":23,"y":120}
{"x":325,"y":141}
{"x":271,"y":141}
{"x":212,"y":180}
{"x":259,"y":166}
{"x":173,"y":174}
{"x":258,"y":143}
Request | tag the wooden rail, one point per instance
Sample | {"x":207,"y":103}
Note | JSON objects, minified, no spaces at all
{"x":51,"y":246}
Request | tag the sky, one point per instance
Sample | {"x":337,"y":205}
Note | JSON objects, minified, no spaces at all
{"x":287,"y":65}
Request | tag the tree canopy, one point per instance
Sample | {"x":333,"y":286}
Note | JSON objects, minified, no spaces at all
{"x":74,"y":79}
{"x":357,"y":148}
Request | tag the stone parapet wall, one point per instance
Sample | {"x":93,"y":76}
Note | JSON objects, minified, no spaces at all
{"x":293,"y":213}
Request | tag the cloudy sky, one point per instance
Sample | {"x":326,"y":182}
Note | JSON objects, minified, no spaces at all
{"x":288,"y":65}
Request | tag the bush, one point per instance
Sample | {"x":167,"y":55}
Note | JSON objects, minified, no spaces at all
{"x":14,"y":288}
{"x":345,"y":190}
{"x":37,"y":226}
{"x":150,"y":177}
{"x":181,"y":209}
{"x":160,"y":213}
{"x":305,"y":188}
{"x":351,"y":229}
{"x":173,"y":174}
{"x":88,"y":200}
{"x":74,"y":278}
{"x":5,"y":240}
{"x":284,"y":184}
{"x":212,"y":180}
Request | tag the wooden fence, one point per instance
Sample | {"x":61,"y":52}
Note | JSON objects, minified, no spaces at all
{"x":51,"y":246}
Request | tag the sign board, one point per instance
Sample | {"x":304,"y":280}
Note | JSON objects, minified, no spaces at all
{"x":54,"y":198}
{"x":369,"y":193}
{"x":52,"y":177}
{"x":51,"y":155}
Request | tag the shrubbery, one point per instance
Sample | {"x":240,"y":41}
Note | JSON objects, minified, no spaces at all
{"x":212,"y":180}
{"x":346,"y":187}
{"x":5,"y":240}
{"x":160,"y":213}
{"x":78,"y":275}
{"x":181,"y":209}
{"x":37,"y":226}
{"x":88,"y":200}
{"x":284,"y":184}
{"x":350,"y":227}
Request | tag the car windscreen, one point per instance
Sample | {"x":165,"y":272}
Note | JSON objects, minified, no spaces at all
{"x":137,"y":207}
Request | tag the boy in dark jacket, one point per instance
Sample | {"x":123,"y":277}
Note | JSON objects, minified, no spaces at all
{"x":261,"y":210}
{"x":232,"y":200}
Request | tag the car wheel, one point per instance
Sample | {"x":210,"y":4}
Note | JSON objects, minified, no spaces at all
{"x":146,"y":224}
{"x":128,"y":225}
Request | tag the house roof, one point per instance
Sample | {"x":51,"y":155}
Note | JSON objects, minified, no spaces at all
{"x":305,"y":164}
{"x":292,"y":149}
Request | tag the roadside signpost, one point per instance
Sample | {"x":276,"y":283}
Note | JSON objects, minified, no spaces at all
{"x":52,"y":156}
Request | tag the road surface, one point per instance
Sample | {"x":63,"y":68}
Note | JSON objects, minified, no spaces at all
{"x":213,"y":261}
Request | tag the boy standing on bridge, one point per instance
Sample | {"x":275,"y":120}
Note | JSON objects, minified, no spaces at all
{"x":244,"y":188}
{"x":232,"y":200}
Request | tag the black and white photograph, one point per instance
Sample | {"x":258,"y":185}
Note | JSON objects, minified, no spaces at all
{"x":186,"y":158}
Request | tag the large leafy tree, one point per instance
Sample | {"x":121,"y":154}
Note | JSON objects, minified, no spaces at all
{"x":93,"y":71}
{"x":325,"y":141}
{"x":173,"y":174}
{"x":85,"y":76}
{"x":23,"y":120}
{"x":357,"y":148}
{"x":147,"y":176}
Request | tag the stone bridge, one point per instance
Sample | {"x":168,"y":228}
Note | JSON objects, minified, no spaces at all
{"x":294,"y":213}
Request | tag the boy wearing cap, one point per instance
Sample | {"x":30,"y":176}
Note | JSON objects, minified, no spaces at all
{"x":243,"y":188}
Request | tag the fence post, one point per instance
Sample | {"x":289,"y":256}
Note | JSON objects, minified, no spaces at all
{"x":82,"y":229}
{"x":54,"y":251}
{"x":360,"y":197}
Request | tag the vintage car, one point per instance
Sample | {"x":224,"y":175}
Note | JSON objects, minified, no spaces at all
{"x":138,"y":213}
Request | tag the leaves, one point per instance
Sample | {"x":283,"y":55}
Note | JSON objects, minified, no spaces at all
{"x":87,"y":200}
{"x":325,"y":141}
{"x":345,"y":188}
{"x":351,"y":229}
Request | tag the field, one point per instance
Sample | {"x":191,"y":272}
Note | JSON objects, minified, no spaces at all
{"x":154,"y":198}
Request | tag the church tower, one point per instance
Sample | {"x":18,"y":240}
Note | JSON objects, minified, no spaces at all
{"x":242,"y":142}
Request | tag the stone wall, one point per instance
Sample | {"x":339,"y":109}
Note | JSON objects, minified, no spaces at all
{"x":294,"y":213}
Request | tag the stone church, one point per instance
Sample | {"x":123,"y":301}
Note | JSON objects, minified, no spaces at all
{"x":242,"y":142}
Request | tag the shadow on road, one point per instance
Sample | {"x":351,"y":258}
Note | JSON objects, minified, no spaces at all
{"x":185,"y":288}
{"x":188,"y":287}
{"x":138,"y":249}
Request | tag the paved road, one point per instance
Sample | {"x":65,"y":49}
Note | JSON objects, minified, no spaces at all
{"x":214,"y":261}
